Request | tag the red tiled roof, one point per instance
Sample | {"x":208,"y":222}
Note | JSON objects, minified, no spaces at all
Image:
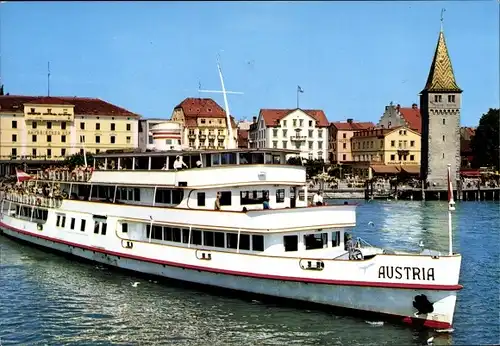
{"x":198,"y":107}
{"x":273,"y":116}
{"x":83,"y":105}
{"x":413,"y":118}
{"x":467,"y":132}
{"x":243,"y":138}
{"x":353,"y":126}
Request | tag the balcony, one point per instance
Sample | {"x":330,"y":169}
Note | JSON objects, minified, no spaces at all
{"x":190,"y":136}
{"x":220,"y":148}
{"x":211,"y":147}
{"x":202,"y":137}
{"x":298,"y":138}
{"x":222,"y":136}
{"x":212,"y":137}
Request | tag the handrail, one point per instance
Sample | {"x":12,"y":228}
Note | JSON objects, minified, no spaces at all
{"x":70,"y":176}
{"x":46,"y":202}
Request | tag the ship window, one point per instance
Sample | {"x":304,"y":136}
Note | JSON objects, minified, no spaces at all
{"x":225,"y":198}
{"x":335,"y":239}
{"x":72,"y":224}
{"x":253,"y":197}
{"x":157,"y":233}
{"x":316,"y":241}
{"x":124,"y":227}
{"x":163,"y":196}
{"x":176,"y":235}
{"x":185,"y":236}
{"x":96,"y":227}
{"x":232,"y":240}
{"x":302,"y":195}
{"x":244,"y":242}
{"x":82,"y":225}
{"x":257,"y":242}
{"x":291,"y":242}
{"x":201,"y":199}
{"x":219,"y":239}
{"x":177,"y":196}
{"x":196,"y":237}
{"x":167,"y":233}
{"x":280,"y":195}
{"x":63,"y":221}
{"x":208,"y":238}
{"x":58,"y":221}
{"x":104,"y":228}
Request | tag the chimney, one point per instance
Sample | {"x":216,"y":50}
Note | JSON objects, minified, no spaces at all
{"x":254,"y":120}
{"x":349,"y":121}
{"x":414,"y":106}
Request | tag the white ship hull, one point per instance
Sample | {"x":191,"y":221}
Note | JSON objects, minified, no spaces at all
{"x":354,"y":287}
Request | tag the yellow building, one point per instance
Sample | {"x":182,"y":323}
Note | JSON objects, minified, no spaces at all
{"x":397,"y":148}
{"x":204,"y":124}
{"x":52,"y":128}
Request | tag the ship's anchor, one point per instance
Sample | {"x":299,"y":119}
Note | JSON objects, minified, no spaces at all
{"x":422,"y":304}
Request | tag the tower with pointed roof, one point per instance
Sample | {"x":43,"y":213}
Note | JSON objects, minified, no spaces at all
{"x":440,"y":110}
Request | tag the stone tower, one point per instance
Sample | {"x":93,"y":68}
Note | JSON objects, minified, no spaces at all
{"x":440,"y":110}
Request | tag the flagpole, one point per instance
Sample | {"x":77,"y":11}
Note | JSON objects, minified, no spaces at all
{"x":297,"y":97}
{"x":451,"y":207}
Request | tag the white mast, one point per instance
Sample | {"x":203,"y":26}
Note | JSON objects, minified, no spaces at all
{"x":230,"y":141}
{"x":451,"y":207}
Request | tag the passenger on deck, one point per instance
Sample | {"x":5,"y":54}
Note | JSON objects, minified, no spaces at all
{"x":179,"y":164}
{"x":217,"y":201}
{"x":265,"y":203}
{"x":318,"y":198}
{"x":199,"y":164}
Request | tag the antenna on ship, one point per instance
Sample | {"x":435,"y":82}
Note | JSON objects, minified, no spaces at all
{"x":451,"y":207}
{"x":226,"y":104}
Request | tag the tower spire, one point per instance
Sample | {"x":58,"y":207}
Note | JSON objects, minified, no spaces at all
{"x":441,"y":77}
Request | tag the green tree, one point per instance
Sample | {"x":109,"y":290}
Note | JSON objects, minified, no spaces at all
{"x":484,"y":144}
{"x":78,"y":160}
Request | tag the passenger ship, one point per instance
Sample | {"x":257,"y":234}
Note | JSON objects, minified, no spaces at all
{"x":135,"y":211}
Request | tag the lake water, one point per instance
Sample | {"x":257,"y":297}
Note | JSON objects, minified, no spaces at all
{"x":46,"y":299}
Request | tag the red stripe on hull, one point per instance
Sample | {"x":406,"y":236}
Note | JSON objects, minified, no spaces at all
{"x":246,"y":274}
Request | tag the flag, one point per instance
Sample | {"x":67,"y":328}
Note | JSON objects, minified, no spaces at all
{"x":23,"y":176}
{"x":299,"y":89}
{"x":451,"y":202}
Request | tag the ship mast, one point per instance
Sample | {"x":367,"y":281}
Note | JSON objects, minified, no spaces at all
{"x":224,"y":92}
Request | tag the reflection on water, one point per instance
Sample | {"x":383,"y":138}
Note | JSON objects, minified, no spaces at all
{"x":46,"y":299}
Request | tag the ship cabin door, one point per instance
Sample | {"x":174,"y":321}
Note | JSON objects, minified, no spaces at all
{"x":293,"y":197}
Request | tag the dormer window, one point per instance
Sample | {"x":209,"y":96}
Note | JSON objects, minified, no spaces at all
{"x":451,"y":98}
{"x":438,"y":98}
{"x":202,"y":121}
{"x":32,"y":110}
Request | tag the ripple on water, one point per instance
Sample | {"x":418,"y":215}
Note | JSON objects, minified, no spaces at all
{"x":48,"y":300}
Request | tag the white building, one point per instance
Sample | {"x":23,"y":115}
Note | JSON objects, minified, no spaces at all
{"x":167,"y":135}
{"x":302,"y":129}
{"x":145,"y":135}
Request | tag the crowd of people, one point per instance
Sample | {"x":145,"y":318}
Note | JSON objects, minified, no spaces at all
{"x":32,"y":192}
{"x":64,"y":173}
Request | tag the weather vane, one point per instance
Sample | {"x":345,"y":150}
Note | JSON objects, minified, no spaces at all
{"x":443,"y":10}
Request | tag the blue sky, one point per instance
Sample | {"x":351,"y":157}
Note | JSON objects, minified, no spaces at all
{"x":350,"y":58}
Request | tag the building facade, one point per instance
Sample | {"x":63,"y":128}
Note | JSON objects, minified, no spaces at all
{"x":145,"y":136}
{"x":302,"y":129}
{"x":396,"y":116}
{"x":396,"y":146}
{"x":466,"y":153}
{"x":204,"y":124}
{"x":340,"y":135}
{"x":440,"y":108}
{"x":52,"y":128}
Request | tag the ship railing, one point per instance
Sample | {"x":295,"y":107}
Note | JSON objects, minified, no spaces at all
{"x":70,"y":176}
{"x":360,"y":242}
{"x":47,"y":202}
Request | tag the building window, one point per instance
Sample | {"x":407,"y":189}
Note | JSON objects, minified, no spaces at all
{"x":33,"y":152}
{"x":63,"y":125}
{"x":311,"y":133}
{"x":344,"y":135}
{"x":81,"y":151}
{"x":33,"y":138}
{"x":275,"y":133}
{"x":438,"y":98}
{"x":393,"y":144}
{"x":97,"y":151}
{"x":320,"y":134}
{"x":82,"y":139}
{"x":444,"y":121}
{"x":129,"y":127}
{"x":49,"y":125}
{"x":320,"y":145}
{"x":412,"y":143}
{"x":393,"y":157}
{"x":284,"y":144}
{"x":275,"y":144}
{"x":443,"y":138}
{"x":14,"y":152}
{"x":112,"y":139}
{"x":451,"y":98}
{"x":284,"y":133}
{"x":344,"y":157}
{"x":98,"y":139}
{"x":63,"y":138}
{"x":14,"y":138}
{"x":128,"y":139}
{"x":412,"y":157}
{"x":63,"y":152}
{"x":150,"y":139}
{"x":112,"y":126}
{"x":49,"y":152}
{"x":284,"y":123}
{"x":310,"y":145}
{"x":443,"y":155}
{"x":294,"y":122}
{"x":14,"y":124}
{"x":33,"y":124}
{"x":49,"y":138}
{"x":82,"y":126}
{"x":344,"y":145}
{"x":97,"y":126}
